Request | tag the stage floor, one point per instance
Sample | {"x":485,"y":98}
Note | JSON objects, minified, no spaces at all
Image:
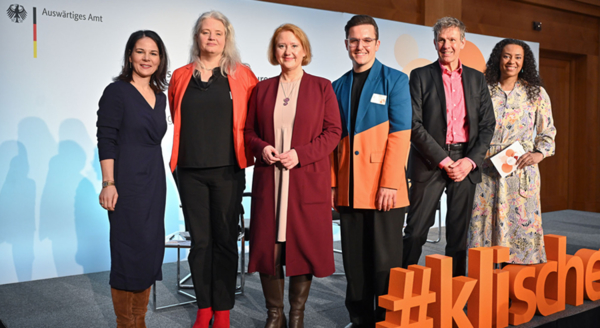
{"x":84,"y":300}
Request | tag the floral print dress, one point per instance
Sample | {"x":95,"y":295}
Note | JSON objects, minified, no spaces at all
{"x":506,"y":211}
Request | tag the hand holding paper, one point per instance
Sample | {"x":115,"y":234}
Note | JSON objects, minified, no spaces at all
{"x":506,"y":160}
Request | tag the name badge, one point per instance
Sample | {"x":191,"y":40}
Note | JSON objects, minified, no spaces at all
{"x":378,"y":99}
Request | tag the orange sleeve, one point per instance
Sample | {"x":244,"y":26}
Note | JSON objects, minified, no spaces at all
{"x":333,"y":161}
{"x":393,"y":173}
{"x":171,"y":94}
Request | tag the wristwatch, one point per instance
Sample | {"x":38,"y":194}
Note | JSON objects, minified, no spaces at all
{"x":107,"y":183}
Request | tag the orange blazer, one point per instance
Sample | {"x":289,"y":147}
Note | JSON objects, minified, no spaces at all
{"x":241,"y":85}
{"x":381,"y":138}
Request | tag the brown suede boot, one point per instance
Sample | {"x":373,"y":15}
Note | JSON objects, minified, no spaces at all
{"x":122,"y":302}
{"x":299,"y":288}
{"x":273,"y":290}
{"x":139,"y":307}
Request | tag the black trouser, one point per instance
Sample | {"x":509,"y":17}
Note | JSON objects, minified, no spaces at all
{"x":424,"y":197}
{"x":211,"y":200}
{"x":371,"y":246}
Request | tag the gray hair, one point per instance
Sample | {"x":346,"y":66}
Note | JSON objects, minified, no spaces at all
{"x":448,"y":22}
{"x":230,"y":57}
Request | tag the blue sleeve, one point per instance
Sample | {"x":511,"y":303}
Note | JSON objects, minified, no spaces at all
{"x":400,"y":109}
{"x":110,"y":114}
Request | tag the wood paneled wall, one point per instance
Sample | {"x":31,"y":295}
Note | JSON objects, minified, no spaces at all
{"x":570,"y":32}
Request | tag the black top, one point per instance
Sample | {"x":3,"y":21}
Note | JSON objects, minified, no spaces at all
{"x":358,"y":82}
{"x":206,"y":138}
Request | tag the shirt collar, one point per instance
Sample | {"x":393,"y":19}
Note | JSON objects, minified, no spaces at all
{"x":447,"y":71}
{"x":518,"y":84}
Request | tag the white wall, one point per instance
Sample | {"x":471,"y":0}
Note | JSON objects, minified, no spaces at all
{"x":50,"y":222}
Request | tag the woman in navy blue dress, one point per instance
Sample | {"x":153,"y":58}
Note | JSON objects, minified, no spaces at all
{"x":131,"y":124}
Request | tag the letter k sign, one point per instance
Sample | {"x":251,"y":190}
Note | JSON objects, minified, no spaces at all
{"x":451,"y":293}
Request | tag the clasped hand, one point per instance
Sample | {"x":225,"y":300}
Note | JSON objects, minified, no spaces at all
{"x":288,"y":159}
{"x":459,"y":170}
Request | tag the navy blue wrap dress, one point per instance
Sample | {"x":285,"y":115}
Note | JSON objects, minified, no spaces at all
{"x":130,"y":132}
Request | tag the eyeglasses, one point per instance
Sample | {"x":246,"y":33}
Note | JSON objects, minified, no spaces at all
{"x":366,"y":42}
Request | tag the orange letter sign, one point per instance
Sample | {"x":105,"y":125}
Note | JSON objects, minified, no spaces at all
{"x":451,"y":293}
{"x":408,"y":297}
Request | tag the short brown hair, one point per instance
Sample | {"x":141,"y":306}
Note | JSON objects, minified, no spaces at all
{"x":299,"y":34}
{"x":449,"y":22}
{"x":361,"y":20}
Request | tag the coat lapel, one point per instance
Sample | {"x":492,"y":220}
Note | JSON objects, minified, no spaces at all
{"x":436,"y":76}
{"x":367,"y":91}
{"x":466,"y":78}
{"x":267,"y":109}
{"x":234,"y":88}
{"x":471,"y":108}
{"x":182,"y":86}
{"x":344,"y":99}
{"x":302,"y":96}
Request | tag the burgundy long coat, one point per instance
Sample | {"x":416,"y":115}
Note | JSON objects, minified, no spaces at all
{"x":317,"y":131}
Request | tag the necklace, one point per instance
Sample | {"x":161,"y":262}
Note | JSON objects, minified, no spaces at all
{"x":207,"y":69}
{"x":204,"y":68}
{"x":286,"y":100}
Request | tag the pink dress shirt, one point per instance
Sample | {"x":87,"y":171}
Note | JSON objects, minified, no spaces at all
{"x":456,"y":111}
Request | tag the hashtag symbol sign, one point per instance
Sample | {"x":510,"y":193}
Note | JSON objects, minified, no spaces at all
{"x":407,"y":299}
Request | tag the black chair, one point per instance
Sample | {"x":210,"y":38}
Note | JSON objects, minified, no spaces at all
{"x":181,"y":239}
{"x":335,"y":217}
{"x":439,"y":211}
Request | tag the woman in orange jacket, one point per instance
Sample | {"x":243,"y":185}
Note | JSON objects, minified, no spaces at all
{"x":208,"y":99}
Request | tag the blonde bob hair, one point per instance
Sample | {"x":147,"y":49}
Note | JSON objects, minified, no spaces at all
{"x":299,"y":34}
{"x":230,"y":57}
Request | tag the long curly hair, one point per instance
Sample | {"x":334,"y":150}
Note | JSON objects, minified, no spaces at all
{"x":528,"y":76}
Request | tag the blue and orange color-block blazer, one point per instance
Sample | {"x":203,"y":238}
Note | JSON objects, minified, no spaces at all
{"x":381,"y":138}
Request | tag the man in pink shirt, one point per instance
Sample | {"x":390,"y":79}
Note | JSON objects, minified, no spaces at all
{"x":452,"y":126}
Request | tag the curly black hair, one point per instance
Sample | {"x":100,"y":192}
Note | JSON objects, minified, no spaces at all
{"x":529,"y":75}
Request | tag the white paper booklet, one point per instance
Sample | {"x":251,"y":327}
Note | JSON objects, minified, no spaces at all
{"x":505,"y":161}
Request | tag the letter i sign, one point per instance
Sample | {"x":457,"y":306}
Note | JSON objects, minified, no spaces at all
{"x":407,"y":299}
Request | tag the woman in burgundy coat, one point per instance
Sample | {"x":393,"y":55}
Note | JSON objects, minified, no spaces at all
{"x":293,"y":125}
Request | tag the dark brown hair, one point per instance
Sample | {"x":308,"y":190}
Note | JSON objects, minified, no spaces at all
{"x":361,"y":20}
{"x":158,"y":80}
{"x":528,"y":75}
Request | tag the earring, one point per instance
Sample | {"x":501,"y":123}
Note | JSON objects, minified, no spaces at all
{"x":130,"y":65}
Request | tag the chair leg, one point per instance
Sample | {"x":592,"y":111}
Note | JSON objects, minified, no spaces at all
{"x":439,"y":211}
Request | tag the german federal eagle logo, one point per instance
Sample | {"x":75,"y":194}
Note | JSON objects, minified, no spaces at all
{"x":16,"y":13}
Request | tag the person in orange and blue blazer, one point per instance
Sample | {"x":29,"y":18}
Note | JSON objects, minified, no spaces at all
{"x":369,"y":186}
{"x":208,"y":99}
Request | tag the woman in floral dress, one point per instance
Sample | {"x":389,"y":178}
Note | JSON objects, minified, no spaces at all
{"x":507,"y":211}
